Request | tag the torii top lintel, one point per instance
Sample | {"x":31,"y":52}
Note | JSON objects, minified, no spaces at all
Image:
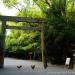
{"x":22,"y":19}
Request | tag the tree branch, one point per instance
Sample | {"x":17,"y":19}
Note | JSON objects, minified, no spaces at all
{"x":40,"y":7}
{"x":16,"y":8}
{"x":46,"y":1}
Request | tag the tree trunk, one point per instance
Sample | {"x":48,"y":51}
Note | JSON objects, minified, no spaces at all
{"x":2,"y":44}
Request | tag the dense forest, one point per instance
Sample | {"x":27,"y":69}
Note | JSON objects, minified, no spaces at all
{"x":59,"y":30}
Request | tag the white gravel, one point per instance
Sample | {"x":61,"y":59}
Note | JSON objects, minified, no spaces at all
{"x":10,"y":68}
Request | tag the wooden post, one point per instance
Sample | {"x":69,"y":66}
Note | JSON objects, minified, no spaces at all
{"x":43,"y":47}
{"x":2,"y":43}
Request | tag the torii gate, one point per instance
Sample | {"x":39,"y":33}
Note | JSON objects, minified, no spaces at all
{"x":4,"y":19}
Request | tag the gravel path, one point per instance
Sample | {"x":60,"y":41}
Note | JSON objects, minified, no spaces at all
{"x":10,"y":68}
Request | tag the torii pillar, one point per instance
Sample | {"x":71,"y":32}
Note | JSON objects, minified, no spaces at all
{"x":2,"y":44}
{"x":44,"y":59}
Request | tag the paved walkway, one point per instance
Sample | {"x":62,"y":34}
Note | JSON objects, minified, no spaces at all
{"x":10,"y":68}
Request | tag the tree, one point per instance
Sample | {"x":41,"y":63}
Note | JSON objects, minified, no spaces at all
{"x":59,"y":32}
{"x":60,"y":29}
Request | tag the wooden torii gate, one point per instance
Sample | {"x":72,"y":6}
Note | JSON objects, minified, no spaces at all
{"x":4,"y":19}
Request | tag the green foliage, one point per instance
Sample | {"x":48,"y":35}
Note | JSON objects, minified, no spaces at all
{"x":42,"y":4}
{"x":10,"y":3}
{"x":32,"y":11}
{"x":20,"y":40}
{"x":60,"y":31}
